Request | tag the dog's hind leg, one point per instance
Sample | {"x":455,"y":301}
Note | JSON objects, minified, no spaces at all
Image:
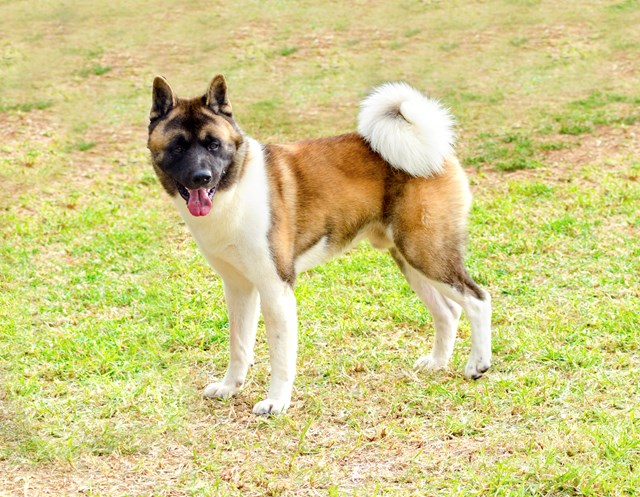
{"x":444,"y":297}
{"x":243,"y":307}
{"x":445,"y":314}
{"x":477,"y":307}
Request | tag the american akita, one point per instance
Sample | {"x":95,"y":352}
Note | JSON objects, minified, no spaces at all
{"x":261,"y":214}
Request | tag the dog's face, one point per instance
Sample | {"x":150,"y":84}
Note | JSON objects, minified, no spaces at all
{"x":193,"y":143}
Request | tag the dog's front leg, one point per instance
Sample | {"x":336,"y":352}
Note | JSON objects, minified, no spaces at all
{"x":243,"y":306}
{"x":281,"y":322}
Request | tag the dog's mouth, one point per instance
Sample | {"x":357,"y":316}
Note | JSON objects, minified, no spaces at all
{"x":198,"y":201}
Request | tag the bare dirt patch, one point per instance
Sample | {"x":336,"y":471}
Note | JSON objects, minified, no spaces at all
{"x":38,"y":126}
{"x":608,"y":147}
{"x":112,"y":475}
{"x":40,"y":152}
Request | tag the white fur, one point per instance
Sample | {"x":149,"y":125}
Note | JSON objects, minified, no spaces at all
{"x":236,"y":229}
{"x":314,"y":256}
{"x":234,"y":239}
{"x":281,"y":322}
{"x":478,"y":313}
{"x":446,"y":304}
{"x":445,"y":314}
{"x":322,"y":252}
{"x":411,"y":132}
{"x":243,"y":306}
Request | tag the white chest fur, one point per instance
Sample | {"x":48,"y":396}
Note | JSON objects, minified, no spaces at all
{"x":236,"y":229}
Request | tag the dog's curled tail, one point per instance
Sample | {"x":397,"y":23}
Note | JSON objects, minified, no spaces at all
{"x":411,"y":132}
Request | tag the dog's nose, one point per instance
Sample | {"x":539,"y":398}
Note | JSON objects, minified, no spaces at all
{"x":201,"y":178}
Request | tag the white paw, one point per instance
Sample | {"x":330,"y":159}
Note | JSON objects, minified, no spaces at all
{"x":270,"y":406}
{"x":220,"y":390}
{"x":427,"y":362}
{"x":476,"y":367}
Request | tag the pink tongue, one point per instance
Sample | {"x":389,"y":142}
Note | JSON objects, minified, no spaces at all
{"x":199,"y":203}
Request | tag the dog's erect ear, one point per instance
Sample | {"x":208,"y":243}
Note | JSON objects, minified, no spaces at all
{"x":163,"y":98}
{"x":216,"y":98}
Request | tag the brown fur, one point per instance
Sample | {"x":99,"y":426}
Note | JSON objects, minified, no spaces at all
{"x":337,"y":187}
{"x":322,"y":188}
{"x":178,"y":123}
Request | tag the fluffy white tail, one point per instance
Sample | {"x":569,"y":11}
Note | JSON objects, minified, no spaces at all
{"x":410,"y":131}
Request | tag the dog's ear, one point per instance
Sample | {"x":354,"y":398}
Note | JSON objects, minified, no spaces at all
{"x":216,"y":98}
{"x":163,"y":98}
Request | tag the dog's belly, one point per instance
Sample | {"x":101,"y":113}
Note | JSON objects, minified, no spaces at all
{"x":316,"y":255}
{"x":323,"y":250}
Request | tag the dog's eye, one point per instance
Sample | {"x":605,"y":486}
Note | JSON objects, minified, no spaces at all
{"x":213,"y":145}
{"x":179,"y":146}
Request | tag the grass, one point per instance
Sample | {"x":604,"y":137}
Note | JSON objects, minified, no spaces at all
{"x":95,"y":70}
{"x":111,"y":323}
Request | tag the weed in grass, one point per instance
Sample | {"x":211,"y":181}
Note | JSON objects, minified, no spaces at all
{"x":95,"y":70}
{"x":83,"y":146}
{"x":286,"y":51}
{"x":519,"y":41}
{"x":575,"y":128}
{"x":397,"y":44}
{"x":554,"y":146}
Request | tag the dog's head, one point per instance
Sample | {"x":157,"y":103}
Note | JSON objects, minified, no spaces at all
{"x":194,"y":143}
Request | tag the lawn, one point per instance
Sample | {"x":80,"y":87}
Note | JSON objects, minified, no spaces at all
{"x":111,"y":323}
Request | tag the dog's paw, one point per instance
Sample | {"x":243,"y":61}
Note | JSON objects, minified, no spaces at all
{"x":476,"y":367}
{"x":429,"y":363}
{"x":220,"y":390}
{"x":270,"y":406}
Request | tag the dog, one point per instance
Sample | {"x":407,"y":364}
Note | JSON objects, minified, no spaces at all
{"x":262,"y":214}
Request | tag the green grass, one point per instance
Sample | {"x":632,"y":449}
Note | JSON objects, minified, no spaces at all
{"x":111,"y":323}
{"x":27,"y":106}
{"x":95,"y":70}
{"x":285,"y":51}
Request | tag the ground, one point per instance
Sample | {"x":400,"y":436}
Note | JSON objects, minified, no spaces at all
{"x":111,"y":323}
